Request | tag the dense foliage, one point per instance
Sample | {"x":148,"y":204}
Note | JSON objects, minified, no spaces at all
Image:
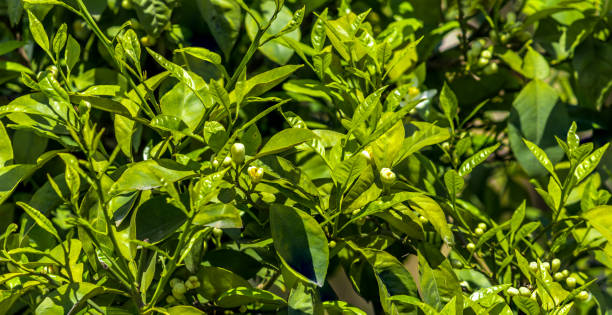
{"x":305,"y":157}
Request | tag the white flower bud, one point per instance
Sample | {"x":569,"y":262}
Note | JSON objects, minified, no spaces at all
{"x":512,"y":291}
{"x":227,"y":161}
{"x":366,"y":154}
{"x":387,"y":176}
{"x":237,"y":151}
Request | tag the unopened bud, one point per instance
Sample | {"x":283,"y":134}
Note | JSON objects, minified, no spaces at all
{"x":571,"y":282}
{"x":332,"y":244}
{"x":546,"y":265}
{"x":366,"y":154}
{"x":217,"y":232}
{"x":583,"y":295}
{"x":179,"y":289}
{"x":558,"y":276}
{"x":478,"y":231}
{"x":482,"y":226}
{"x":470,"y":246}
{"x":237,"y":151}
{"x":533,"y":266}
{"x":555,"y":264}
{"x":227,"y":161}
{"x":387,"y":176}
{"x":423,"y":219}
{"x":524,"y":291}
{"x":170,"y":299}
{"x":512,"y":291}
{"x":215,"y":163}
{"x":174,"y":281}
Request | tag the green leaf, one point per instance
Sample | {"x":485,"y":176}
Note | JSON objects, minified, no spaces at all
{"x":387,"y":147}
{"x":153,"y":15}
{"x":426,"y":135}
{"x":156,"y":219}
{"x":6,"y":148}
{"x":150,"y":174}
{"x":535,"y":65}
{"x":10,"y":45}
{"x":223,"y":18}
{"x":454,"y":183}
{"x":317,"y":35}
{"x":202,"y":54}
{"x":439,"y":284}
{"x":428,"y":208}
{"x":588,"y":165}
{"x":59,"y":40}
{"x":184,"y":310}
{"x":542,"y":158}
{"x":284,"y":140}
{"x":275,"y":50}
{"x":68,"y":298}
{"x":236,"y":297}
{"x":182,"y":103}
{"x":601,"y":219}
{"x":468,"y":165}
{"x":487,"y":297}
{"x":38,"y":32}
{"x":40,"y":219}
{"x":448,"y":103}
{"x":177,"y":71}
{"x":219,"y":215}
{"x":265,"y":81}
{"x":73,"y":52}
{"x":216,"y":281}
{"x":536,"y":117}
{"x":300,"y":242}
{"x":131,"y":46}
{"x":527,"y":305}
{"x":517,"y":218}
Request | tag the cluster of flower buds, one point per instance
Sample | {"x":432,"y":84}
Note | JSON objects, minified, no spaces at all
{"x":179,"y":288}
{"x":480,"y":229}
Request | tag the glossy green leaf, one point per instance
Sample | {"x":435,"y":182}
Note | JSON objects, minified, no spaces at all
{"x":40,"y":219}
{"x":300,"y":242}
{"x":265,"y":81}
{"x":454,"y":183}
{"x":468,"y":165}
{"x":38,"y":32}
{"x":218,"y":215}
{"x":184,"y":310}
{"x":601,"y":219}
{"x":73,"y":52}
{"x":59,"y":40}
{"x":589,"y":164}
{"x":527,"y":305}
{"x":151,"y":174}
{"x":223,"y":18}
{"x":542,"y":157}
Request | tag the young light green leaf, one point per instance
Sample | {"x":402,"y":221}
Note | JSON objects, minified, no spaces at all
{"x":588,"y":165}
{"x":317,"y":35}
{"x":6,"y":148}
{"x":176,"y":71}
{"x":542,"y":158}
{"x":300,"y":242}
{"x":535,"y":65}
{"x":131,"y":46}
{"x":59,"y":40}
{"x":40,"y":219}
{"x":265,"y":81}
{"x":573,"y":141}
{"x":468,"y":165}
{"x":38,"y":32}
